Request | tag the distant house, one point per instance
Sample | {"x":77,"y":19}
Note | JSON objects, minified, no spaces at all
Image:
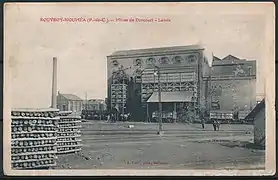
{"x":258,"y":115}
{"x":95,"y":105}
{"x":69,"y":102}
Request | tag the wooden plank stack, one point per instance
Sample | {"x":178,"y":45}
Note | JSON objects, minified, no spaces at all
{"x":33,"y":138}
{"x":69,"y":126}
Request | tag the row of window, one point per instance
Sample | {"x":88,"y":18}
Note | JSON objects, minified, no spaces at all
{"x":162,"y":60}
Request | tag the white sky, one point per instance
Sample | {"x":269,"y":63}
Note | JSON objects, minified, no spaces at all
{"x":81,"y":48}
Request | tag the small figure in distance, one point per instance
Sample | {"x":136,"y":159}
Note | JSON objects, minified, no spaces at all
{"x":214,"y":125}
{"x":218,"y":125}
{"x":108,"y":118}
{"x":203,"y":123}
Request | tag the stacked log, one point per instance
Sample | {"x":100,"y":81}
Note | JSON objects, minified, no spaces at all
{"x":33,"y":138}
{"x":69,"y":135}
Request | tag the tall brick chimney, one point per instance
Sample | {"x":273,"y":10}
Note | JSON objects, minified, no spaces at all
{"x":54,"y":84}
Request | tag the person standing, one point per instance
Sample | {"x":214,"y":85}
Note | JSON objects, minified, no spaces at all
{"x":218,"y":125}
{"x":115,"y":114}
{"x":125,"y":117}
{"x":128,"y":116}
{"x":203,"y":123}
{"x":108,"y":117}
{"x":121,"y":117}
{"x":214,"y":125}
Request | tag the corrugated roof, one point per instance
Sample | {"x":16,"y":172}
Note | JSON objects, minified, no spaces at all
{"x":156,"y":50}
{"x":172,"y":97}
{"x":256,"y":110}
{"x":71,"y":97}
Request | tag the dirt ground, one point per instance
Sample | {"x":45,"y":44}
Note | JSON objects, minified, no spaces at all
{"x":115,"y":146}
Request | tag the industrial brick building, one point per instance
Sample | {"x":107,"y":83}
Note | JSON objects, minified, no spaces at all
{"x":132,"y":82}
{"x":233,"y":85}
{"x":190,"y":87}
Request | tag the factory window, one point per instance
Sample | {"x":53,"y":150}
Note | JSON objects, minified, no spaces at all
{"x":115,"y":63}
{"x":138,"y":62}
{"x":164,"y":60}
{"x":151,"y":61}
{"x":177,"y":60}
{"x":64,"y":107}
{"x":191,"y":58}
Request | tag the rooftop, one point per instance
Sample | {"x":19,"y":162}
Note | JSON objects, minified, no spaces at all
{"x":156,"y":50}
{"x":230,"y":59}
{"x":71,"y":97}
{"x":256,"y":110}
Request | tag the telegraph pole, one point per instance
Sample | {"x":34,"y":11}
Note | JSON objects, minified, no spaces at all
{"x":123,"y":103}
{"x":159,"y":102}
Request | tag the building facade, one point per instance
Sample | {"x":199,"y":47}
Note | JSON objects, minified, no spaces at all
{"x":69,"y":102}
{"x":94,"y":105}
{"x":133,"y":80}
{"x":232,"y":84}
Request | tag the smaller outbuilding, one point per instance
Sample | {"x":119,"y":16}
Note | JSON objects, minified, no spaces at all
{"x":258,"y":117}
{"x":69,"y":102}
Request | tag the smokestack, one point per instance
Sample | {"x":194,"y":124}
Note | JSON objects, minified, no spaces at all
{"x":54,"y":84}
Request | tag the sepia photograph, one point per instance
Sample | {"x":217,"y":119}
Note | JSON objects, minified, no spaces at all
{"x":139,"y":89}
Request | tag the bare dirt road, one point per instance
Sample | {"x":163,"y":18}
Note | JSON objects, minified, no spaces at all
{"x":183,"y":146}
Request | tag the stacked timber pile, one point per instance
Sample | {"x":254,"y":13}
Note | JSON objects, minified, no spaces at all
{"x":69,"y":134}
{"x":33,"y":138}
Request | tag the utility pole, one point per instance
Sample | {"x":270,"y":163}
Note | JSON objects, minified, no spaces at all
{"x":123,"y":99}
{"x":159,"y":102}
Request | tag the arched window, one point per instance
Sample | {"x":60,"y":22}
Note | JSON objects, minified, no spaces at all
{"x":138,"y":62}
{"x":191,"y":58}
{"x":115,"y":63}
{"x":164,"y":60}
{"x":177,"y":60}
{"x":151,"y":61}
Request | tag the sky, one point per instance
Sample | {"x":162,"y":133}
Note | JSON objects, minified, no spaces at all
{"x":82,"y":47}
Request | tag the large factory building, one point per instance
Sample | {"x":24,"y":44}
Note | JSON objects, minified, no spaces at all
{"x":133,"y":81}
{"x":190,"y":87}
{"x":233,"y":86}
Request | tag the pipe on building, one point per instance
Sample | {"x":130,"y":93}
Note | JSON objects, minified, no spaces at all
{"x":54,"y":84}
